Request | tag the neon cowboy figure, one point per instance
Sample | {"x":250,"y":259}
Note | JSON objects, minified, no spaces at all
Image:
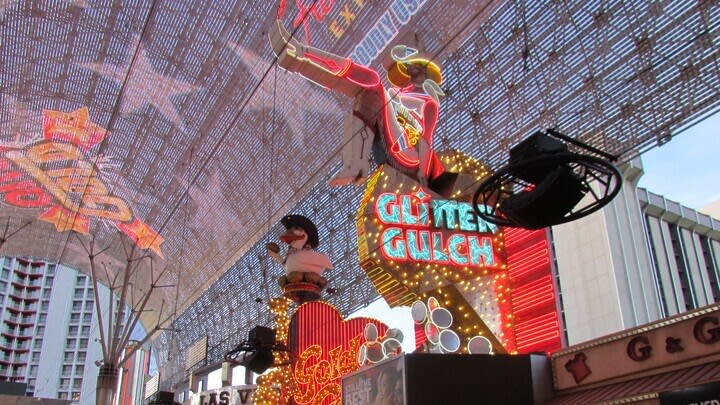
{"x":399,"y":121}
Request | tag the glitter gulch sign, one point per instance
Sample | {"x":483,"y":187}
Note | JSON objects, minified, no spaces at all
{"x":411,"y":240}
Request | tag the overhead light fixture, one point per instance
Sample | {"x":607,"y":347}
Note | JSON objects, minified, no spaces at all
{"x":257,"y":353}
{"x":545,"y":184}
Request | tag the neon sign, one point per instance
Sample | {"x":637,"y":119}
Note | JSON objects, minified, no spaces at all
{"x":57,"y":173}
{"x":384,"y":30}
{"x":411,"y":241}
{"x":328,"y":347}
{"x":378,"y":37}
{"x":318,"y":10}
{"x":416,"y":219}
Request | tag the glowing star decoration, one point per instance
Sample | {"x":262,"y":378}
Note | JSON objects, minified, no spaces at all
{"x":57,"y":173}
{"x":327,"y":348}
{"x":143,"y":236}
{"x":75,"y":128}
{"x":294,"y":113}
{"x":144,"y":86}
{"x":65,"y":220}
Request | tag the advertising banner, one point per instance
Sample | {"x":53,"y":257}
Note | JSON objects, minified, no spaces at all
{"x":381,"y":384}
{"x":707,"y":394}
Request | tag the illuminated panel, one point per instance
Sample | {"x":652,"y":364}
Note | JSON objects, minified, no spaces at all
{"x":467,"y":323}
{"x":537,"y":331}
{"x":197,"y":352}
{"x":411,"y":240}
{"x":327,"y":347}
{"x":151,"y":386}
{"x":533,"y":299}
{"x":412,"y":243}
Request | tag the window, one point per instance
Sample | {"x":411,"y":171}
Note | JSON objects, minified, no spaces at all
{"x":5,"y":274}
{"x":87,"y":318}
{"x":62,"y":395}
{"x":40,"y":330}
{"x":36,"y":357}
{"x":89,"y":305}
{"x":49,"y":281}
{"x":42,"y":318}
{"x":74,"y":318}
{"x":83,"y":343}
{"x":85,"y":331}
{"x":80,"y":280}
{"x":73,"y":330}
{"x":46,"y":293}
{"x":79,"y":293}
{"x":45,"y":306}
{"x":70,"y":343}
{"x":79,"y":370}
{"x":69,"y":357}
{"x":77,"y":306}
{"x":33,"y":370}
{"x":66,"y":370}
{"x":37,"y":344}
{"x":64,"y":383}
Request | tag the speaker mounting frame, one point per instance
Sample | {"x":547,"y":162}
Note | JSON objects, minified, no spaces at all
{"x":599,"y":177}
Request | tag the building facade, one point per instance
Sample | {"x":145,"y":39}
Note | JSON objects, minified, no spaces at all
{"x":49,"y":330}
{"x":640,"y":259}
{"x":132,"y":376}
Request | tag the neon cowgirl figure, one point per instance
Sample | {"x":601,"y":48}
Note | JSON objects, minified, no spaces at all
{"x":400,"y":121}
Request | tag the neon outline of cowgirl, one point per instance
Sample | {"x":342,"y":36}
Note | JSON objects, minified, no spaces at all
{"x":395,"y":125}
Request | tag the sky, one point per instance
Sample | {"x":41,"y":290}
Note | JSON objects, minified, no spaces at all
{"x":686,"y":169}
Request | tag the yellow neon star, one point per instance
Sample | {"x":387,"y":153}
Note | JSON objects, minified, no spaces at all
{"x":74,"y":127}
{"x":143,"y":235}
{"x":65,"y":220}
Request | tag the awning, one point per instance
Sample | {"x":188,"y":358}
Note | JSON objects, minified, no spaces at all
{"x":642,"y":388}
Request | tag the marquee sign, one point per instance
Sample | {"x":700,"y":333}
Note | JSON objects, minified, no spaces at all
{"x":313,"y":19}
{"x":327,"y":348}
{"x":235,"y":395}
{"x":58,"y":174}
{"x":411,"y":241}
{"x":649,"y":349}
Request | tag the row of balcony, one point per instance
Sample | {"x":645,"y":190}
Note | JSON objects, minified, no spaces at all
{"x":19,"y":281}
{"x":25,"y":320}
{"x":19,"y":346}
{"x":19,"y":333}
{"x":17,"y":359}
{"x":26,"y":296}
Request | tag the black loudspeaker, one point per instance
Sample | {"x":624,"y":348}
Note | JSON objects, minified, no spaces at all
{"x":535,"y":146}
{"x":549,"y":201}
{"x":261,"y":336}
{"x":162,"y":398}
{"x":257,"y":360}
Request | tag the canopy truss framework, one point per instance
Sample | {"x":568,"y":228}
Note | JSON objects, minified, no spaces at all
{"x":209,"y":146}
